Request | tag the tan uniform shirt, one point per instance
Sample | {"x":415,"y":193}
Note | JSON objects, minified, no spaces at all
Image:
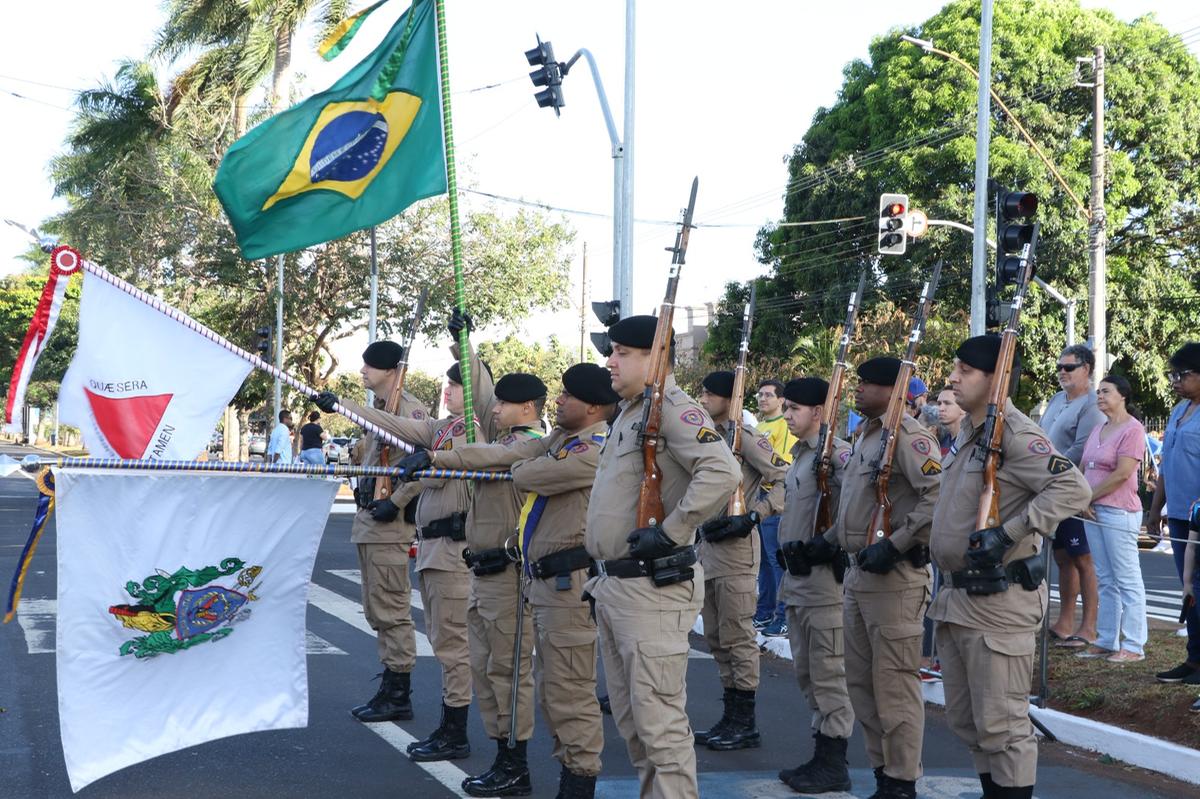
{"x":912,"y":489}
{"x":762,"y":486}
{"x":1038,"y":488}
{"x":699,"y":474}
{"x":819,"y":588}
{"x":364,"y":529}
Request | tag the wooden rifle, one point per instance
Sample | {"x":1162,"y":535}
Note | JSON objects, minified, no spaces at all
{"x":823,"y":463}
{"x":383,"y":486}
{"x":737,"y":503}
{"x":993,"y":425}
{"x":881,"y":519}
{"x":650,"y":505}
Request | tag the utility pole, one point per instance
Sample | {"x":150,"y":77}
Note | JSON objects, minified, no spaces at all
{"x":1097,"y":235}
{"x":583,"y":287}
{"x":277,"y":393}
{"x":626,"y":259}
{"x":983,"y":134}
{"x":373,"y":306}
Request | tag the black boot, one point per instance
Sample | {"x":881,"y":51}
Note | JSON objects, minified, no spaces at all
{"x":448,"y":741}
{"x":508,"y":776}
{"x":826,"y":772}
{"x":702,"y":736}
{"x":1005,"y":792}
{"x":741,"y":732}
{"x":391,"y":702}
{"x":575,"y":786}
{"x":892,"y":788}
{"x":989,"y":787}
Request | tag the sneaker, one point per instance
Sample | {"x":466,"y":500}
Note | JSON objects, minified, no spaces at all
{"x":932,"y":673}
{"x":776,"y":629}
{"x":1125,"y":656}
{"x":1094,"y":651}
{"x":1182,"y":632}
{"x":1177,"y":674}
{"x":1191,"y":679}
{"x":1195,"y":708}
{"x":760,"y":623}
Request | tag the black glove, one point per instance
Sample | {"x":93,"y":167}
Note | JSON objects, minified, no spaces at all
{"x":728,"y":527}
{"x":819,"y":550}
{"x":742,"y":526}
{"x":383,"y":510}
{"x":458,"y":321}
{"x":411,"y":464}
{"x":879,"y":558}
{"x":326,"y":400}
{"x":648,"y":543}
{"x":986,"y":547}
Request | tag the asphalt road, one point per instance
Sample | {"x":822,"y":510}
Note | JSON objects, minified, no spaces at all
{"x":336,"y":756}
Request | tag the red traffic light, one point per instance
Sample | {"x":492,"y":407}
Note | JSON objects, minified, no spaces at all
{"x":892,"y":209}
{"x":1018,"y":204}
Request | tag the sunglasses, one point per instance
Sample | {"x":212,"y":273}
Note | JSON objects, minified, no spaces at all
{"x":1175,"y":375}
{"x":1068,"y":367}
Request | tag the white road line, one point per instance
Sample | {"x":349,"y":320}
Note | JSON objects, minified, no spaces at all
{"x":444,"y":771}
{"x":351,"y":612}
{"x":38,"y":617}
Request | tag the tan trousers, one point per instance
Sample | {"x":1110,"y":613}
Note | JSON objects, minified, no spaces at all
{"x":491,"y":637}
{"x":728,"y":614}
{"x":645,"y":666}
{"x":566,"y":685}
{"x":387,"y":603}
{"x":818,"y":658}
{"x":987,"y":678}
{"x":444,"y":595}
{"x":883,"y":654}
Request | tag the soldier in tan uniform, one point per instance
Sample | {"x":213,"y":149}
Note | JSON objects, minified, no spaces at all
{"x":887,"y":584}
{"x":730,"y":555}
{"x":812,"y":590}
{"x":513,"y":418}
{"x":648,"y":588}
{"x":992,"y":599}
{"x":383,"y":532}
{"x":556,"y":473}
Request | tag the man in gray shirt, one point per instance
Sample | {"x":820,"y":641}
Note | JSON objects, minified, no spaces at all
{"x":1068,"y":421}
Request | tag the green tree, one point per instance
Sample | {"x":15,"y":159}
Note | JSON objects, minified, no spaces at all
{"x":904,"y":121}
{"x":513,"y":354}
{"x":19,"y":296}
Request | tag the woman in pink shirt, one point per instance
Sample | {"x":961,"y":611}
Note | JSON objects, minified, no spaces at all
{"x":1110,"y":462}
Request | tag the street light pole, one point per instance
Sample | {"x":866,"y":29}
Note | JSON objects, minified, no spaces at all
{"x":1097,"y":235}
{"x":626,"y":295}
{"x":373,"y":307}
{"x":983,"y":132}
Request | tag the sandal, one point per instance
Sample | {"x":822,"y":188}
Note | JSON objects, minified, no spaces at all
{"x":1125,"y":656}
{"x":1074,"y":642}
{"x":1094,"y":651}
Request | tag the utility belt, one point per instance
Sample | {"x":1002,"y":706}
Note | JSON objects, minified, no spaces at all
{"x":559,"y":566}
{"x":1027,"y":573}
{"x":917,"y":556}
{"x":667,"y":570}
{"x":793,"y":556}
{"x":490,"y":561}
{"x":364,"y":495}
{"x":453,"y":527}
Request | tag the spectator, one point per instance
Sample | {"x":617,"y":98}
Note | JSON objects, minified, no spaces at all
{"x":1111,"y":458}
{"x":771,"y":613}
{"x":1068,"y":420}
{"x":1178,"y":486}
{"x":950,"y":416}
{"x":279,"y":448}
{"x":312,"y":436}
{"x":916,"y":396}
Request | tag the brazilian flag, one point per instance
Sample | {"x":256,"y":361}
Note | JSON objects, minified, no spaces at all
{"x":348,"y":158}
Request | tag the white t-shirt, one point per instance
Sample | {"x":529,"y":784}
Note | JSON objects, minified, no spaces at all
{"x":281,"y":444}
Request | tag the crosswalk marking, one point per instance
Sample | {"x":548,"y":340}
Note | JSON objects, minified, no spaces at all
{"x":38,"y":618}
{"x":351,"y":612}
{"x":445,"y":772}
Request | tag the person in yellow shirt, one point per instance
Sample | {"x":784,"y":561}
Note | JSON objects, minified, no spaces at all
{"x":770,"y":617}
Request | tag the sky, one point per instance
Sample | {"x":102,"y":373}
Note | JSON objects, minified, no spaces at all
{"x":722,"y":95}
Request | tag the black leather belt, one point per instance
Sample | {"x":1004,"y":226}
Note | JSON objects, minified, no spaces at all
{"x":622,"y":567}
{"x":489,"y":561}
{"x":1025,"y":573}
{"x":453,"y":526}
{"x":564,"y":562}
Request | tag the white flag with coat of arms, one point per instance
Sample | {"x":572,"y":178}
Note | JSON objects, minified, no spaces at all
{"x":181,"y":609}
{"x":140,"y":384}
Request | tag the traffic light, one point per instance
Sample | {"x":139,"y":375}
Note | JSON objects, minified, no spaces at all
{"x":549,"y":74}
{"x":264,"y":343}
{"x":892,"y":211}
{"x":1014,"y":231}
{"x":609,"y":313}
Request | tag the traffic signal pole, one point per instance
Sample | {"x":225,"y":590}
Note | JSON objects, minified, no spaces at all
{"x":983,"y":120}
{"x":1097,"y":234}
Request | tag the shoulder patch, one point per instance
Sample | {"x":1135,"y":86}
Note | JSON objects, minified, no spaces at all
{"x":1040,"y":446}
{"x":1058,"y":464}
{"x":844,"y":457}
{"x":930,"y":466}
{"x":692,"y":416}
{"x":459,"y":429}
{"x":578,"y":446}
{"x":921,"y":445}
{"x":764,"y":444}
{"x":418,"y":414}
{"x":707,"y":435}
{"x":778,"y":461}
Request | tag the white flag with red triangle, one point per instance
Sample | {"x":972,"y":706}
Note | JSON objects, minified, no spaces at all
{"x":142,"y":385}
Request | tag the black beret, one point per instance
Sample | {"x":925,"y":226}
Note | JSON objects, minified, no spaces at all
{"x":590,"y":383}
{"x":980,"y":352}
{"x":383,"y":354}
{"x":636,"y":331}
{"x":881,"y":371}
{"x":806,"y":391}
{"x":455,"y":372}
{"x":719,"y":383}
{"x":520,"y":387}
{"x":1187,"y":356}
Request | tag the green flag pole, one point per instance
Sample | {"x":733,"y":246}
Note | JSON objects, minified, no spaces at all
{"x":464,"y":337}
